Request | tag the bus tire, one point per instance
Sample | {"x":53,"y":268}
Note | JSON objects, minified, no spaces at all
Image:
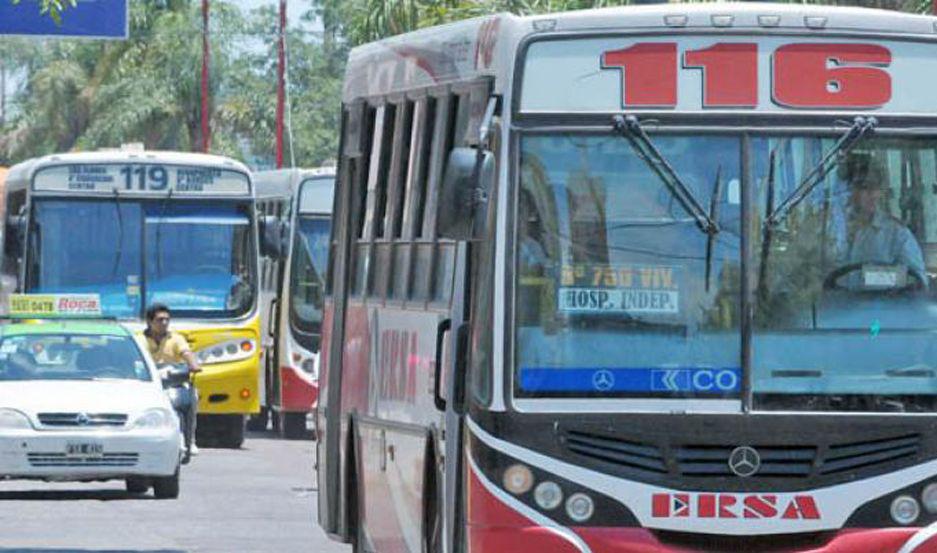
{"x":258,"y":422}
{"x":232,"y":431}
{"x":293,"y":426}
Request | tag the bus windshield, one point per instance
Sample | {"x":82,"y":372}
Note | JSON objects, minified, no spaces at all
{"x":307,"y":278}
{"x":195,"y":257}
{"x":621,"y":294}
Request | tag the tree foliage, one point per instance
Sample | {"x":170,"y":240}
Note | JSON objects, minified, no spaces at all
{"x":82,"y":95}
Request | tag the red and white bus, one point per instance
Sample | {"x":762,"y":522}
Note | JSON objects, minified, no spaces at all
{"x":636,"y":279}
{"x":302,"y":200}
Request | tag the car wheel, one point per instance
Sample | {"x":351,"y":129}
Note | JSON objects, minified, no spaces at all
{"x":137,"y":485}
{"x":166,"y":487}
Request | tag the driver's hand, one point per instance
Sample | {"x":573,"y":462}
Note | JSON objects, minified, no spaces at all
{"x":195,"y":370}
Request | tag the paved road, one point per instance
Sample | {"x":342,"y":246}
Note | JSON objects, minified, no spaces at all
{"x":257,"y":499}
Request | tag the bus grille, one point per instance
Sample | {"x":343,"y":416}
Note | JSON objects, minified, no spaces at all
{"x":775,"y":461}
{"x":846,"y":457}
{"x":712,"y":460}
{"x":633,"y":455}
{"x":61,"y":460}
{"x":77,"y":420}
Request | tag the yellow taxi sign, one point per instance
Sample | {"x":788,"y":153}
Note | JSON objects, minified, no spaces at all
{"x":38,"y":306}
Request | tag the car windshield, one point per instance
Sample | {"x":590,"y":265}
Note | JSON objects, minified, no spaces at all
{"x":70,"y":357}
{"x":307,"y":278}
{"x":621,"y":294}
{"x":196,"y":257}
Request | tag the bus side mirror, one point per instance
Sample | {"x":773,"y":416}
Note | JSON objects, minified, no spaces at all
{"x":464,"y":195}
{"x":13,"y":233}
{"x":272,"y":237}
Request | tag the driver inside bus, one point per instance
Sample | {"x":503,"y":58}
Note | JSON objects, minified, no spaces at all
{"x":873,"y":235}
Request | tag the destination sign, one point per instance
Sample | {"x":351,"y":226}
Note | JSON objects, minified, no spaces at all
{"x":750,"y":73}
{"x":638,"y":290}
{"x":141,"y":178}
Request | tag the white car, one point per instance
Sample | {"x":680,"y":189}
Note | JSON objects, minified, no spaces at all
{"x":80,"y":401}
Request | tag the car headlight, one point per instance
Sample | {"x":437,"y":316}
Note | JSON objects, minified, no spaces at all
{"x":226,"y":352}
{"x":11,"y":419}
{"x":155,"y":418}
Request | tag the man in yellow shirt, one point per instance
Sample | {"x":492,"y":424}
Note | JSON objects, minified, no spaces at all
{"x":167,"y":347}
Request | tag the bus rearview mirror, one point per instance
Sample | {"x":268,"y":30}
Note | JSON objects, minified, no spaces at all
{"x":272,"y":233}
{"x":464,"y":195}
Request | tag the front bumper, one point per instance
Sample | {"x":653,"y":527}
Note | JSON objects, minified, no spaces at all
{"x":31,"y":454}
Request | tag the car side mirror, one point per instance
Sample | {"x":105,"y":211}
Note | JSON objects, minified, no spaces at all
{"x":464,"y":195}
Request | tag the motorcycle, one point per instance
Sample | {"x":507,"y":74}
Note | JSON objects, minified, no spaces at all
{"x":178,"y":383}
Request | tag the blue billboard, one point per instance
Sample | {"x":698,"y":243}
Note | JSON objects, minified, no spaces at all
{"x":88,"y":19}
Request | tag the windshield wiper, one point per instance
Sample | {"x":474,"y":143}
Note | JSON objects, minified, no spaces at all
{"x":713,"y":216}
{"x":629,"y":127}
{"x":860,"y":126}
{"x":120,"y":233}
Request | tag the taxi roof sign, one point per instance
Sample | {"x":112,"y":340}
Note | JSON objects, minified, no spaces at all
{"x":54,"y":306}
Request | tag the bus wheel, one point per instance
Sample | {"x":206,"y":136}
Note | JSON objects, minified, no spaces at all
{"x":258,"y":422}
{"x":232,"y":431}
{"x":293,"y":426}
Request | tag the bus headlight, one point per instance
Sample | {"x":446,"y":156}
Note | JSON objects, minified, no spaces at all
{"x":579,"y":507}
{"x":548,"y":495}
{"x":226,"y":352}
{"x":518,"y":479}
{"x":905,"y":509}
{"x":929,"y":497}
{"x":12,"y":419}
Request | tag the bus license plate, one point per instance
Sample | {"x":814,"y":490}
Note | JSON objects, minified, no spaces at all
{"x":84,"y":450}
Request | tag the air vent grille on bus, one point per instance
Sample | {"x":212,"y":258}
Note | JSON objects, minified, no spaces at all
{"x":856,"y":455}
{"x":794,"y":461}
{"x":633,"y":455}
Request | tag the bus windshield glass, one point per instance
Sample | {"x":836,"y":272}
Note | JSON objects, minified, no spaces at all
{"x":617,"y":295}
{"x":194,"y":256}
{"x":621,"y":294}
{"x":307,"y":277}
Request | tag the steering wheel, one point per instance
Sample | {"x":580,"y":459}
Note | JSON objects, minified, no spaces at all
{"x":829,"y":283}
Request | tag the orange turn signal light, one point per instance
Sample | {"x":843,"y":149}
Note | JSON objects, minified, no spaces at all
{"x":245,"y":393}
{"x":246,"y":346}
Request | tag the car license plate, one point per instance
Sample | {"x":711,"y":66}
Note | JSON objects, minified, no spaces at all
{"x":84,"y":450}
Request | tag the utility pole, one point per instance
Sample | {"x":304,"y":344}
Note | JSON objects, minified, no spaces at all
{"x":281,"y":84}
{"x":206,"y":55}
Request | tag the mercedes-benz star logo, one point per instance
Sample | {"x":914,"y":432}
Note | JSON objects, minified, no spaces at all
{"x":603,"y":380}
{"x":82,"y":419}
{"x":744,"y":461}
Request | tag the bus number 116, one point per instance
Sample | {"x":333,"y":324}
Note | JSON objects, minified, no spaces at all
{"x":805,"y":76}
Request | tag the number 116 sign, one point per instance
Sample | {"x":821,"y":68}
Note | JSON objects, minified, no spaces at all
{"x":802,"y":75}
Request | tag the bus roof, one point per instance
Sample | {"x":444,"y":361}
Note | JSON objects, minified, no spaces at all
{"x":487,"y":46}
{"x":21,"y":174}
